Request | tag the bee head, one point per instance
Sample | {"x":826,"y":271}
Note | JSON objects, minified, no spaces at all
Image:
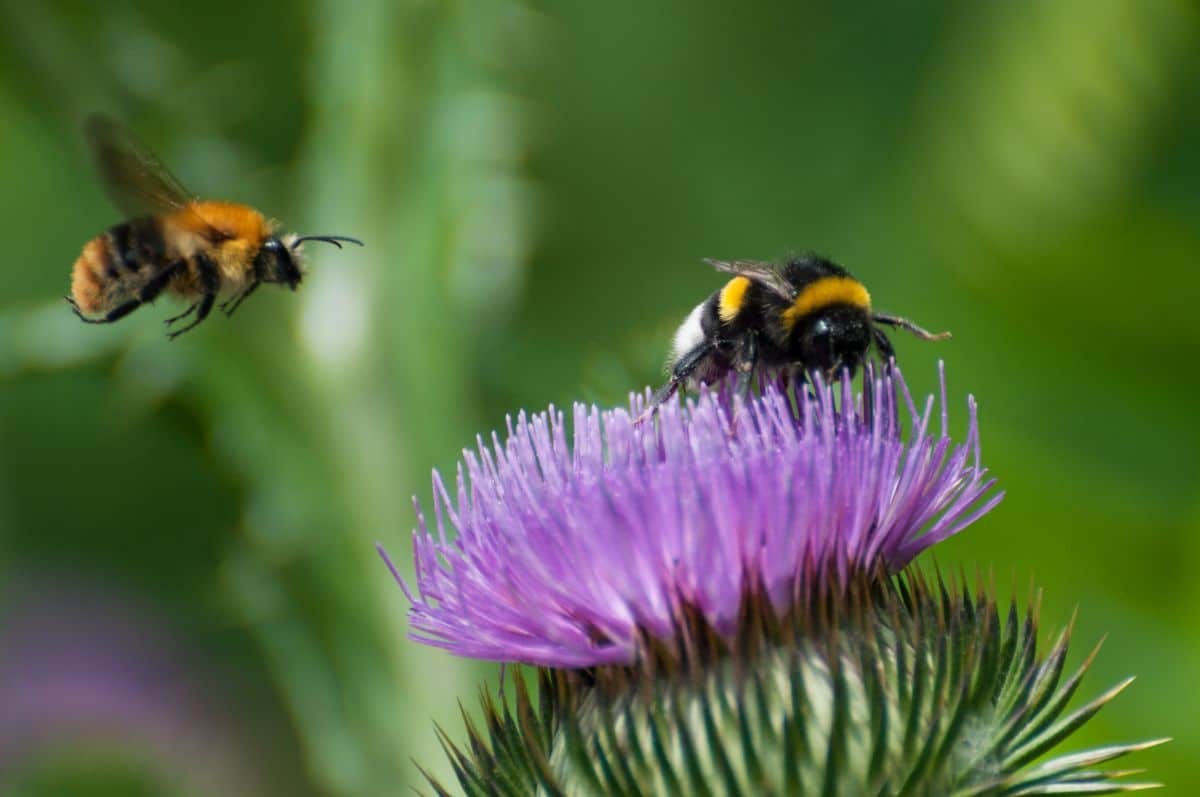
{"x":278,"y":263}
{"x":834,"y":339}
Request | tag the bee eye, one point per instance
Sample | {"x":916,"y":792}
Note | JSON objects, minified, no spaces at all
{"x":820,"y":345}
{"x":821,"y":330}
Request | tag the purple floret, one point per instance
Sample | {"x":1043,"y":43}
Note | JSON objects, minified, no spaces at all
{"x":573,"y":547}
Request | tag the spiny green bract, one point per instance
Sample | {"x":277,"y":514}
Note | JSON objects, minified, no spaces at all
{"x":909,"y":688}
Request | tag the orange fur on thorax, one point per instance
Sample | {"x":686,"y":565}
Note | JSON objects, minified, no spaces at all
{"x":244,"y":229}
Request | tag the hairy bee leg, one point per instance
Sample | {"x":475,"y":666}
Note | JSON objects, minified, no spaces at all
{"x":148,"y":293}
{"x":884,"y":344}
{"x":746,"y":364}
{"x":182,"y":315}
{"x":909,"y":326}
{"x":204,"y":307}
{"x":659,"y":397}
{"x":682,"y":369}
{"x":115,"y":314}
{"x":745,"y":368}
{"x":871,"y":372}
{"x":807,"y":384}
{"x":210,"y":279}
{"x":233,"y":304}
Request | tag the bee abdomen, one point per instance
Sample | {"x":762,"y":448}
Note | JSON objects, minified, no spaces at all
{"x":90,"y":275}
{"x":114,"y":263}
{"x":137,"y":244}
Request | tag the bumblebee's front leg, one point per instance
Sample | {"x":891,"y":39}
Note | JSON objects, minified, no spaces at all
{"x":683,"y":368}
{"x":888,"y":355}
{"x":884,"y":344}
{"x":228,"y":307}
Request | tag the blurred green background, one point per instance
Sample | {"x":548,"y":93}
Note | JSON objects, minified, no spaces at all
{"x":187,"y":569}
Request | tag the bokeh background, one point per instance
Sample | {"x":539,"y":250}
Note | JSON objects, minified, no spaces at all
{"x":190,"y":598}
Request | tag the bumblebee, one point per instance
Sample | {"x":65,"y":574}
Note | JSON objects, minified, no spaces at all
{"x":808,"y":315}
{"x":198,"y":250}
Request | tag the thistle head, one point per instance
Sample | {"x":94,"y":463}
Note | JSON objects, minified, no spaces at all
{"x":576,"y":546}
{"x":716,"y":605}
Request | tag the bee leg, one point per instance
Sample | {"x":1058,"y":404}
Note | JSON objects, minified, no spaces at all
{"x":206,"y":269}
{"x":182,"y":315}
{"x":228,"y":307}
{"x":746,"y":363}
{"x":868,"y":393}
{"x":680,"y":371}
{"x":909,"y":326}
{"x":148,"y":293}
{"x":884,"y":344}
{"x":807,"y":383}
{"x":204,"y":307}
{"x":747,"y":359}
{"x":115,"y":314}
{"x":889,"y":362}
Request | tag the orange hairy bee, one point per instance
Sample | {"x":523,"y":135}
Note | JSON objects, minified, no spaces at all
{"x":196,"y":249}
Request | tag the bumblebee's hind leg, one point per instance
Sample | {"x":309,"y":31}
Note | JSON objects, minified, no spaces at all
{"x":146,"y":294}
{"x":116,"y":314}
{"x":684,"y":367}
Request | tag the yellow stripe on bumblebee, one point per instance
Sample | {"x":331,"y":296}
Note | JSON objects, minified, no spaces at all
{"x":823,"y":293}
{"x":732,"y":298}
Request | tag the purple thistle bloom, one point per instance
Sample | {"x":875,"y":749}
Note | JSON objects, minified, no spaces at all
{"x":571,"y":554}
{"x":83,"y":669}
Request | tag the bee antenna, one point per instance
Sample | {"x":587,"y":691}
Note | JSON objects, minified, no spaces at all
{"x":329,"y":239}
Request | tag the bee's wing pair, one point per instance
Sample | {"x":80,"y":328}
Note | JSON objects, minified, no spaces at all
{"x":135,"y":179}
{"x":766,"y":274}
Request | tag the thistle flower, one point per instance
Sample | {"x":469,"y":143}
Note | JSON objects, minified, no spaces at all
{"x":574,"y":555}
{"x":716,"y":606}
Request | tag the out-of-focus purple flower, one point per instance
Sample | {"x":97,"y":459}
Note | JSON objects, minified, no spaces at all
{"x":572,"y":548}
{"x":83,"y":669}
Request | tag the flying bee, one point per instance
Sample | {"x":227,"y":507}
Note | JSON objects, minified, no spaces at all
{"x":809,"y":315}
{"x":198,"y":250}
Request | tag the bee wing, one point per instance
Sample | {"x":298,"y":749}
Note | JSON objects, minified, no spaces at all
{"x":765,"y":274}
{"x":136,"y":181}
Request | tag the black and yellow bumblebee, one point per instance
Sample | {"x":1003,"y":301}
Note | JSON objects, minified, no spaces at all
{"x":807,"y":315}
